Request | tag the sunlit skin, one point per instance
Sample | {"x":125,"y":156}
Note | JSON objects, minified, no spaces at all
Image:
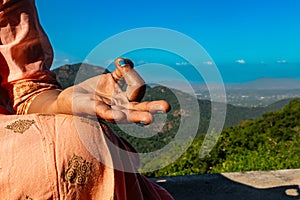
{"x":102,"y":95}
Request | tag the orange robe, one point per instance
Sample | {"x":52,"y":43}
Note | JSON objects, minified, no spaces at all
{"x":53,"y":156}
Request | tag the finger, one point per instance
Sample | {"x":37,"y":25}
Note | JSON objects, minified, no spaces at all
{"x":106,"y":113}
{"x":136,"y":87}
{"x":151,"y":106}
{"x":123,"y":66}
{"x":122,"y":62}
{"x":134,"y":116}
{"x":140,"y":117}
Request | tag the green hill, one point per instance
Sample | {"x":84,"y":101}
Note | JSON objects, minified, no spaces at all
{"x":247,"y":143}
{"x":67,"y":75}
{"x":234,"y":114}
{"x":270,"y":142}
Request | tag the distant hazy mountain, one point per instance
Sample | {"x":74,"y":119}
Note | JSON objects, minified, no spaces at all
{"x":68,"y":73}
{"x":234,"y":114}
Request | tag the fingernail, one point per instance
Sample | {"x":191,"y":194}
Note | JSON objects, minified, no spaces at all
{"x":160,"y":112}
{"x":142,"y":124}
{"x":122,"y":63}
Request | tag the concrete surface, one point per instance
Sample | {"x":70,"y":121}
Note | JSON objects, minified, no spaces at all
{"x":259,"y":185}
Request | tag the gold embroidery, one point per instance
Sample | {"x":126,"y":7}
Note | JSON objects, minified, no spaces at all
{"x":22,"y":93}
{"x":20,"y":126}
{"x":78,"y":170}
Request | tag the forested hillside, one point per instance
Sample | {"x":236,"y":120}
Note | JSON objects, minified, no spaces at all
{"x":270,"y":142}
{"x":68,"y":74}
{"x":251,"y":140}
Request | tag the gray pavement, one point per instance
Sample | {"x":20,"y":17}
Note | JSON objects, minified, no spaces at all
{"x":259,"y":185}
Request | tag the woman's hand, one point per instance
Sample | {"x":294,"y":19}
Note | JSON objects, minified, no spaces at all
{"x":102,"y":96}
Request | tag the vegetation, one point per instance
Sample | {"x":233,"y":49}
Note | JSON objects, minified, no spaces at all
{"x":270,"y":142}
{"x":251,"y":139}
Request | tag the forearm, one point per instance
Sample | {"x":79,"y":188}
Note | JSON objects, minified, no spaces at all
{"x":47,"y":103}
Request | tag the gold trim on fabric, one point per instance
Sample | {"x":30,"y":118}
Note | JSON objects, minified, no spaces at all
{"x":20,"y":126}
{"x":23,"y":93}
{"x":78,"y":170}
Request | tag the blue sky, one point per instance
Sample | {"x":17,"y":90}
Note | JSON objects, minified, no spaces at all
{"x":248,"y":38}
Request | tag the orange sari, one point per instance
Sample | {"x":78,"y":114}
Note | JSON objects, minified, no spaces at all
{"x":47,"y":156}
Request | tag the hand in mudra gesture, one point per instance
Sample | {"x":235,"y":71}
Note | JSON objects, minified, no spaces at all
{"x":103,"y":96}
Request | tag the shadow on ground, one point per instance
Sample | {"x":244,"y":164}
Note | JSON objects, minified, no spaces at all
{"x":217,"y":186}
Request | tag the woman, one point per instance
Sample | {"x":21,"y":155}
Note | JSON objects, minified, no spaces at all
{"x":44,"y":154}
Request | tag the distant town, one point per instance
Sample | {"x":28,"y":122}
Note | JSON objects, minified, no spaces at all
{"x":253,"y":97}
{"x":261,"y":92}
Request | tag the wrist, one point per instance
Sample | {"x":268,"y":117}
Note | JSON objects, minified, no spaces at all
{"x":45,"y":102}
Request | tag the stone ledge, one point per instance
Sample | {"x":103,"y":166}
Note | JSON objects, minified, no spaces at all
{"x":256,"y":185}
